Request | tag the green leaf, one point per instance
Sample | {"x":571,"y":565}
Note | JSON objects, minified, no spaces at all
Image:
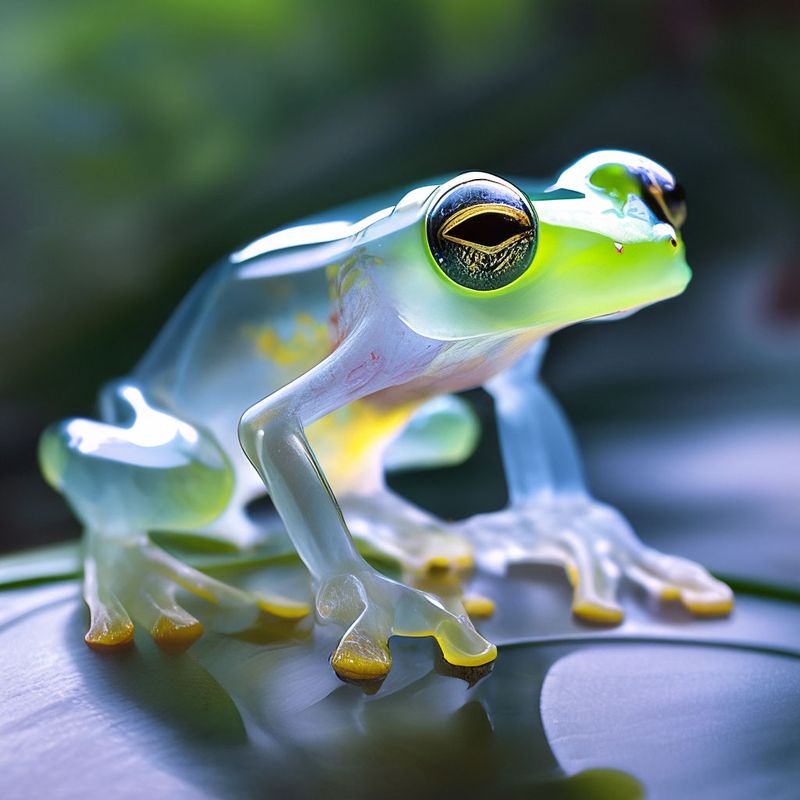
{"x":51,"y":563}
{"x":60,"y":561}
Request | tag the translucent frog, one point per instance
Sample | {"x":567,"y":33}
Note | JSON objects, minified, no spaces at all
{"x":304,"y":363}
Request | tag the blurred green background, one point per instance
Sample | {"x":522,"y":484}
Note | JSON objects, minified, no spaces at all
{"x":139,"y":143}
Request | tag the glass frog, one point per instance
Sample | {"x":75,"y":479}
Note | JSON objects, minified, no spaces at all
{"x":304,"y":363}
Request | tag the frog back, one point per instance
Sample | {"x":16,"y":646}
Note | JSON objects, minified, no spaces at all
{"x":232,"y":341}
{"x":253,"y":322}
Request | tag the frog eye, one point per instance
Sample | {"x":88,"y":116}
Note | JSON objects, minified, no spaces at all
{"x":482,"y":234}
{"x":665,"y":198}
{"x":668,"y":203}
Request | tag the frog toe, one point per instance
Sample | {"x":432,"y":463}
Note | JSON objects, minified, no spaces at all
{"x":420,"y":614}
{"x":154,"y":559}
{"x":462,"y":645}
{"x":478,"y":606}
{"x":594,"y":577}
{"x":133,"y":576}
{"x":441,"y":552}
{"x":362,"y":654}
{"x":420,"y":542}
{"x":675,"y":578}
{"x":152,"y":604}
{"x":175,"y":637}
{"x":110,"y":627}
{"x":383,"y":608}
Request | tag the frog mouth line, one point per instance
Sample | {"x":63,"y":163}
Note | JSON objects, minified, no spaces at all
{"x":488,"y":228}
{"x":615,"y":315}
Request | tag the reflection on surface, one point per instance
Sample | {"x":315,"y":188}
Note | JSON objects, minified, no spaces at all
{"x":575,"y":714}
{"x":688,"y":718}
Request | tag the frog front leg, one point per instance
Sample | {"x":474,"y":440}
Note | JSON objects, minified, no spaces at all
{"x":441,"y":432}
{"x":552,"y":518}
{"x":348,"y":590}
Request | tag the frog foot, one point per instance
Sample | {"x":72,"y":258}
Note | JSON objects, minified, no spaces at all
{"x":375,"y":608}
{"x":132,"y":578}
{"x":402,"y":531}
{"x":597,"y":547}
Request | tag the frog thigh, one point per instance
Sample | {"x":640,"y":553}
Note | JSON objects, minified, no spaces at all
{"x":151,"y":471}
{"x":357,"y":442}
{"x":148,"y":471}
{"x":351,"y":444}
{"x":443,"y":432}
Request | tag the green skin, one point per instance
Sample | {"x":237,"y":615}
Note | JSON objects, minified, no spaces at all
{"x":355,"y":319}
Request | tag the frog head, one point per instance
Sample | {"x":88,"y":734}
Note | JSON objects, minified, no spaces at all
{"x":484,"y":255}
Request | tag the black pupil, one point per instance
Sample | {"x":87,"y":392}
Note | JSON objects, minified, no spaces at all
{"x":674,"y":199}
{"x":482,"y":234}
{"x":489,"y":229}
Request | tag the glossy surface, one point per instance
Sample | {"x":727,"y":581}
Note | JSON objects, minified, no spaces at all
{"x":296,"y":365}
{"x":662,"y":707}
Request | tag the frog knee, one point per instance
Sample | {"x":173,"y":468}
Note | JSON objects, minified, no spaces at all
{"x":264,"y":426}
{"x":126,"y":477}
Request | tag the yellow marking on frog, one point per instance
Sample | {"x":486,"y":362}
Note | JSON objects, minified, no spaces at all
{"x":444,"y":563}
{"x":602,"y":615}
{"x":283,"y":607}
{"x":347,"y":439}
{"x":478,"y":606}
{"x":452,"y":653}
{"x":437,"y":563}
{"x":308,"y":344}
{"x":111,"y":636}
{"x":359,"y":658}
{"x":464,"y":563}
{"x":349,"y":281}
{"x":174,"y":638}
{"x":718,"y":608}
{"x":591,"y":612}
{"x":198,"y":589}
{"x":572,"y":575}
{"x":721,"y":608}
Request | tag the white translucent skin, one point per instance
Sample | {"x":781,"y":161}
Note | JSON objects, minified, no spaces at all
{"x":308,"y":322}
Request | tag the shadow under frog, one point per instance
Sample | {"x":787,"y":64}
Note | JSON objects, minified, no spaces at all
{"x":714,"y":708}
{"x":264,"y":699}
{"x":282,"y":722}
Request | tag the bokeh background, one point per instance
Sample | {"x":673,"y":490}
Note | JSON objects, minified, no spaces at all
{"x":140,"y":143}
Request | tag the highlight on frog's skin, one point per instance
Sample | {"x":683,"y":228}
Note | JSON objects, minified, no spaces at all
{"x":482,"y":234}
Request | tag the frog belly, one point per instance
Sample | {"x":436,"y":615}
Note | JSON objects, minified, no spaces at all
{"x":350,"y":443}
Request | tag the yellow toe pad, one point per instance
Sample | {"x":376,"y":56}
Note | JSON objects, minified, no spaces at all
{"x":110,"y":638}
{"x":478,"y":606}
{"x":719,"y":609}
{"x":358,"y":658}
{"x":174,"y":638}
{"x":283,"y":607}
{"x":603,"y":615}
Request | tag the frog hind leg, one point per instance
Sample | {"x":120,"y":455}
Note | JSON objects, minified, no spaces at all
{"x":151,"y":471}
{"x":552,"y":518}
{"x":442,"y":432}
